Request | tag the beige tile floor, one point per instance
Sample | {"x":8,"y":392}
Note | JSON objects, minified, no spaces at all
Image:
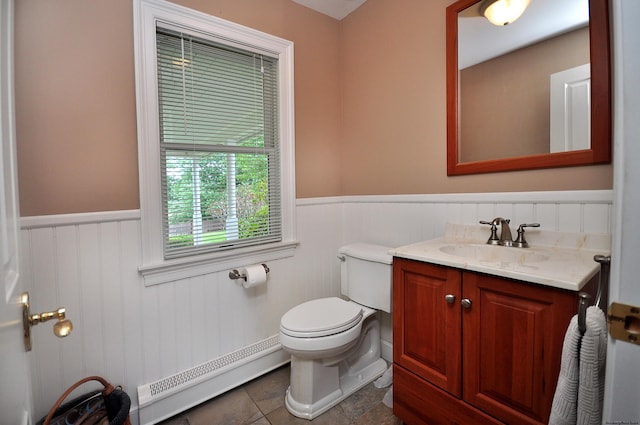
{"x":261,"y":402}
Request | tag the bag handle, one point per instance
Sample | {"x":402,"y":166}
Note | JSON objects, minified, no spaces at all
{"x":108,"y":388}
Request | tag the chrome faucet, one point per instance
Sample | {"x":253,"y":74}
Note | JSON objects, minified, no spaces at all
{"x":505,"y":232}
{"x":505,"y":238}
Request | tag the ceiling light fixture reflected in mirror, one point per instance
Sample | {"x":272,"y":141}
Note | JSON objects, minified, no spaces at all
{"x":503,"y":12}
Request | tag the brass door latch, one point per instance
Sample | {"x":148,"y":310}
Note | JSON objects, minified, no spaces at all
{"x":624,"y":322}
{"x":62,"y":327}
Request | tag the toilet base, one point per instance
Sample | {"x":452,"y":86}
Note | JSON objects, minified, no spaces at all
{"x":318,"y":385}
{"x":348,"y":386}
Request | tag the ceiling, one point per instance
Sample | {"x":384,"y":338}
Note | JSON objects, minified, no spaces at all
{"x":337,"y":9}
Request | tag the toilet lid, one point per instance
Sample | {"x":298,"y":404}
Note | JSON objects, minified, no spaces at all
{"x":321,"y":317}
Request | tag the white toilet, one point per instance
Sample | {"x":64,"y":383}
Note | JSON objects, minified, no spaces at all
{"x":335,"y":344}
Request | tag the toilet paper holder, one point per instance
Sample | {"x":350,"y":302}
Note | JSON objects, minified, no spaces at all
{"x":235,"y":274}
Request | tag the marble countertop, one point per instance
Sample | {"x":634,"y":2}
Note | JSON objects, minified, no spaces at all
{"x":557,"y":259}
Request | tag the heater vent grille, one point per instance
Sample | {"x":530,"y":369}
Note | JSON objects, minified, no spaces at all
{"x":166,"y":386}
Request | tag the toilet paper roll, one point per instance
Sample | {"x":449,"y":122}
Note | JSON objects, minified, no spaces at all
{"x":255,"y":275}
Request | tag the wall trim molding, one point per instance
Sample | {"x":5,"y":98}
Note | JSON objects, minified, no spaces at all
{"x":328,"y":200}
{"x":40,"y":221}
{"x":564,"y":197}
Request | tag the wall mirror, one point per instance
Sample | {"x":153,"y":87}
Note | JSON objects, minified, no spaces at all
{"x":532,"y":94}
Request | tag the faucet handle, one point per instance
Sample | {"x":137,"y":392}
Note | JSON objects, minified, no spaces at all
{"x":496,"y":221}
{"x":493,"y":239}
{"x":520,"y":242}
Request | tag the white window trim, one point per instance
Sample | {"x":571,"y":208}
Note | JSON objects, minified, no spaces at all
{"x":155,"y":269}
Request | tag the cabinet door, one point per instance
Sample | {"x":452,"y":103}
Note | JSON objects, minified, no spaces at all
{"x":426,"y":328}
{"x":512,"y":338}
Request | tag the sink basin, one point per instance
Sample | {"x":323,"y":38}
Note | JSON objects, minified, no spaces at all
{"x":556,"y":259}
{"x":494,"y":254}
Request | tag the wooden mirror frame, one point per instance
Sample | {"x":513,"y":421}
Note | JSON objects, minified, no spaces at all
{"x":600,"y":151}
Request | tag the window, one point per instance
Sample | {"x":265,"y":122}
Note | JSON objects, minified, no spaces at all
{"x":215,"y":130}
{"x":219,"y":157}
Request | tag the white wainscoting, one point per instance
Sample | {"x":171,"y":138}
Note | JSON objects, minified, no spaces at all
{"x":132,"y":334}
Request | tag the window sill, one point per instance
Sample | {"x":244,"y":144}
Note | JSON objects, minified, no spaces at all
{"x":184,"y":268}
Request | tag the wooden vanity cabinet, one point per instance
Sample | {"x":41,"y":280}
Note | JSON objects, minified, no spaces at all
{"x":470,"y":348}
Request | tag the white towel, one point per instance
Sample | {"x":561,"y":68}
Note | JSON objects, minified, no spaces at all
{"x":565,"y":400}
{"x":580,"y":390}
{"x":593,"y":353}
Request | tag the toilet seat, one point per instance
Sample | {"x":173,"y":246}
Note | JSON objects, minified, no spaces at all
{"x":321,"y":317}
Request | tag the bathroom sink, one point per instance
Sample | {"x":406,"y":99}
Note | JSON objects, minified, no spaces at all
{"x":494,"y":254}
{"x":557,"y":259}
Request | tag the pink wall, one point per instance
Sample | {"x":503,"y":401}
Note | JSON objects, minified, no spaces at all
{"x":394,"y":115}
{"x":75,"y":99}
{"x":369,"y":91}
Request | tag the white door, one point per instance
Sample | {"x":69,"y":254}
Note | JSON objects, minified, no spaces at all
{"x":622,"y":391}
{"x":570,"y":120}
{"x":15,"y":390}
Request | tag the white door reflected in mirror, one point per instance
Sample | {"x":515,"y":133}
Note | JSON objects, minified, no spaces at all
{"x":570,"y":120}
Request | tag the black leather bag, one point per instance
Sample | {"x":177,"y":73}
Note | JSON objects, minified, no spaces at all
{"x":109,"y":406}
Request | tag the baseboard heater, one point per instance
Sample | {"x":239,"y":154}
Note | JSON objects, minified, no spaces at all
{"x":169,"y":396}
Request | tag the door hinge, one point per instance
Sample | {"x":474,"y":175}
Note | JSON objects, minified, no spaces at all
{"x":624,"y":322}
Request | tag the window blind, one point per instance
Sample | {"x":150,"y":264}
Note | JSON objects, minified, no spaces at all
{"x":220,"y":160}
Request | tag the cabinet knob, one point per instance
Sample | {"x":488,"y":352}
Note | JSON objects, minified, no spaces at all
{"x":466,"y":303}
{"x":450,"y":298}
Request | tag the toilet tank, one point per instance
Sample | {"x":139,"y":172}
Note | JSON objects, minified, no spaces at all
{"x":365,"y":274}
